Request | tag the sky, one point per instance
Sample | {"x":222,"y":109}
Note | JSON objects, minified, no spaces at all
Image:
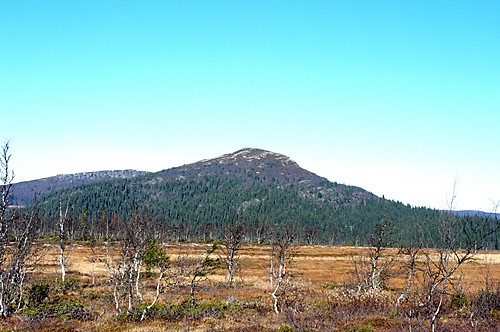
{"x":401,"y":98}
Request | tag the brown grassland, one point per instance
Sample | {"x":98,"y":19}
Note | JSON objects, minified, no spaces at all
{"x":324,"y":293}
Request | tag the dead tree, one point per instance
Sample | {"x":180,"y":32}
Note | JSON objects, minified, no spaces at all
{"x":439,"y":268}
{"x":261,"y":229}
{"x":311,"y":234}
{"x":5,"y":222}
{"x":126,"y":272}
{"x":203,"y":269}
{"x":406,"y":300}
{"x":231,"y":244}
{"x":411,"y":254}
{"x":281,"y":256}
{"x":104,"y":221}
{"x":62,"y":238}
{"x":14,"y":255}
{"x":24,"y":255}
{"x":380,"y":263}
{"x":206,"y":229}
{"x":6,"y":185}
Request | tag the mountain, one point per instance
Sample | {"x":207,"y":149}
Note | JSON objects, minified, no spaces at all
{"x":230,"y":181}
{"x":263,"y":188}
{"x":23,"y":193}
{"x":261,"y":167}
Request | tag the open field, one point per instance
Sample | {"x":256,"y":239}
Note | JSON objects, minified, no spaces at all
{"x":324,"y":292}
{"x":315,"y":264}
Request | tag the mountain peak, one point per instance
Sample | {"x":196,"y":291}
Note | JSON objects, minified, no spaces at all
{"x":250,"y":163}
{"x":251,"y":155}
{"x":257,"y":166}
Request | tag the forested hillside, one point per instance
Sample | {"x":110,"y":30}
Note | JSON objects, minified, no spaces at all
{"x":25,"y":192}
{"x":261,"y":188}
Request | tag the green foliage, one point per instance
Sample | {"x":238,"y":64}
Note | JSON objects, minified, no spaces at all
{"x":37,"y":293}
{"x":285,"y":328}
{"x":364,"y":328}
{"x":186,"y":309}
{"x":154,"y":256}
{"x":203,"y":269}
{"x":209,"y":265}
{"x":331,"y":286}
{"x":58,"y":308}
{"x":45,"y":300}
{"x":459,"y":300}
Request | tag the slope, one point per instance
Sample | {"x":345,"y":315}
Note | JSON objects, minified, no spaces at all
{"x":263,"y":188}
{"x":23,"y":193}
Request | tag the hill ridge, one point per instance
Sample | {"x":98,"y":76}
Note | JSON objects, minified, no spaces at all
{"x":25,"y":191}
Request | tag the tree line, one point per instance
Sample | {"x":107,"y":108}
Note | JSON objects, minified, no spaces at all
{"x":200,"y":210}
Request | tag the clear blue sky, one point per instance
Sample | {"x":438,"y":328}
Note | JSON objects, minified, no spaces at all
{"x":397,"y":97}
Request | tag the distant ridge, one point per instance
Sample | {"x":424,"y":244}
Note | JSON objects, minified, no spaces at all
{"x":477,"y":213}
{"x":23,"y":193}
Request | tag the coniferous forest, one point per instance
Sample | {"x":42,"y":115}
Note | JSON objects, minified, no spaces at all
{"x":201,"y":208}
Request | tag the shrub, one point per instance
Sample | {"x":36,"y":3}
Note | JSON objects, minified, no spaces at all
{"x":331,"y":286}
{"x":214,"y":309}
{"x":459,"y":300}
{"x":285,"y":328}
{"x":63,"y":309}
{"x":37,"y":293}
{"x":486,"y":303}
{"x":70,"y":284}
{"x":364,"y":328}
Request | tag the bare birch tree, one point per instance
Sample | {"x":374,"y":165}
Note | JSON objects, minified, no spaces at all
{"x":281,"y":256}
{"x":410,"y":264}
{"x":231,"y":245}
{"x":126,"y":272}
{"x":5,"y":221}
{"x":62,"y":238}
{"x":14,"y":255}
{"x":439,"y":268}
{"x":373,"y":268}
{"x":380,"y":263}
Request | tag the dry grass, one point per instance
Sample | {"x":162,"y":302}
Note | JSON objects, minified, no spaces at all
{"x":316,"y":299}
{"x":317,"y":264}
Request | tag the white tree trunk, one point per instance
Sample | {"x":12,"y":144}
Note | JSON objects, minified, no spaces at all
{"x":279,"y":281}
{"x":62,"y":244}
{"x":157,"y":295}
{"x":230,"y":266}
{"x":137,"y":269}
{"x":62,"y":263}
{"x":2,"y":305}
{"x":115,"y":294}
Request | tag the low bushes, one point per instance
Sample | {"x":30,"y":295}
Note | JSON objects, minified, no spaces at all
{"x":186,"y":310}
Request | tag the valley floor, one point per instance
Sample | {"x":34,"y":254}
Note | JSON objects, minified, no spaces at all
{"x":326,"y":290}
